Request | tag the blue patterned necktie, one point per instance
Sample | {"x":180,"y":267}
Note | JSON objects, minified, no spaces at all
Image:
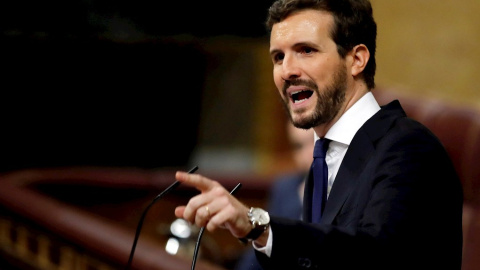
{"x":320,"y":178}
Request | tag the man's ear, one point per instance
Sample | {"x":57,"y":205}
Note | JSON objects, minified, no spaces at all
{"x":360,"y":55}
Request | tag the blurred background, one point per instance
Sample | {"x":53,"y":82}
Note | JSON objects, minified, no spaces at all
{"x":155,"y":84}
{"x":147,"y":87}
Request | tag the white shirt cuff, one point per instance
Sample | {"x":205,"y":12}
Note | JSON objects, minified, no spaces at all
{"x":267,"y":249}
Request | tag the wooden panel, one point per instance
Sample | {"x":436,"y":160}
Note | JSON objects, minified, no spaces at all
{"x":56,"y":218}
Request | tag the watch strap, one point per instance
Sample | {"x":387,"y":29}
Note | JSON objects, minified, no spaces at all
{"x":253,"y":234}
{"x":257,"y":229}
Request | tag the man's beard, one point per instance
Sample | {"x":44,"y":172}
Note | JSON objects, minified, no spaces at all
{"x":329,"y":101}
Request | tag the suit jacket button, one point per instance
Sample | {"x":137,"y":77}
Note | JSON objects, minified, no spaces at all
{"x":304,"y":263}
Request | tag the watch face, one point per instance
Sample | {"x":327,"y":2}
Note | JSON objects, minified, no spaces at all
{"x":260,"y":216}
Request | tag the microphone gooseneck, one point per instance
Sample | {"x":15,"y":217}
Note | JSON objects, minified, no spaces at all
{"x":140,"y":223}
{"x":200,"y":234}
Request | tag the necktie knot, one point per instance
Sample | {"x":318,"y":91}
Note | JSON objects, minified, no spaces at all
{"x":320,"y":149}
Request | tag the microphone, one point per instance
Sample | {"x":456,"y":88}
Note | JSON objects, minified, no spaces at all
{"x":200,"y":234}
{"x":140,"y":223}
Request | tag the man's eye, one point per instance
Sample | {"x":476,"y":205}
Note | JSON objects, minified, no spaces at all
{"x":307,"y":50}
{"x":278,"y":57}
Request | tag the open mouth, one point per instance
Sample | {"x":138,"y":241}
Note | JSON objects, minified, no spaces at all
{"x":301,"y":95}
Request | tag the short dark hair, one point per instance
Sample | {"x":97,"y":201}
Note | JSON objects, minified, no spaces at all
{"x":353,"y":25}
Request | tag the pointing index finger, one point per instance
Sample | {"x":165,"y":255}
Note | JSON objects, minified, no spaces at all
{"x":195,"y":180}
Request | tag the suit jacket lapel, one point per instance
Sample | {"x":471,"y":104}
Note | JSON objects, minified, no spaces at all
{"x":351,"y":167}
{"x":358,"y":153}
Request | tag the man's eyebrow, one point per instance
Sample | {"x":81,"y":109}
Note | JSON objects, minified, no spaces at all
{"x":304,"y":43}
{"x":296,"y":45}
{"x":274,"y":51}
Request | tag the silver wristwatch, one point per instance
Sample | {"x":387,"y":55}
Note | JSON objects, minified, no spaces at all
{"x":260,"y":221}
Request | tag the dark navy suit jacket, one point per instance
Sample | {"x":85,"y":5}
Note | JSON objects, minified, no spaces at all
{"x":396,"y":204}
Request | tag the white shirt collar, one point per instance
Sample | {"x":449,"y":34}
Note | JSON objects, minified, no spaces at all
{"x":350,"y":122}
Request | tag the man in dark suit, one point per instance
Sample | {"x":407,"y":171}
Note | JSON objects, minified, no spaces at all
{"x":394,"y":198}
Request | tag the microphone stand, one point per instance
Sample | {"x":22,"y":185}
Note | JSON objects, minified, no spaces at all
{"x":140,"y":223}
{"x":200,"y":234}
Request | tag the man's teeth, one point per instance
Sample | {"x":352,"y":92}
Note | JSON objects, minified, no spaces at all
{"x":300,"y":96}
{"x":297,"y":101}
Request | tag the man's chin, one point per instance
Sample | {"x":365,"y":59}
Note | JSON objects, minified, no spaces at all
{"x":300,"y":121}
{"x":303,"y":125}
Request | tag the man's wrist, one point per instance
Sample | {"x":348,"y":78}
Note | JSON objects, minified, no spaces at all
{"x":261,"y":241}
{"x":260,"y":221}
{"x":266,"y":247}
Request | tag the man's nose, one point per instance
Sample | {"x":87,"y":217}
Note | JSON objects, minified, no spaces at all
{"x":290,"y":68}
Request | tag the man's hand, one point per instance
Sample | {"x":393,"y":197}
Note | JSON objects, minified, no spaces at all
{"x":214,"y":207}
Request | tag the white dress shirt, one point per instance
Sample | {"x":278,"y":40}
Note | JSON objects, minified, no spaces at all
{"x":341,"y":135}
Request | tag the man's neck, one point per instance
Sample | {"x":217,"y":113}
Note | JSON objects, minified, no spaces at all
{"x":356,"y":94}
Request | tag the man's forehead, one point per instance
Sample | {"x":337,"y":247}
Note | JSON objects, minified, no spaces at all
{"x":308,"y":23}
